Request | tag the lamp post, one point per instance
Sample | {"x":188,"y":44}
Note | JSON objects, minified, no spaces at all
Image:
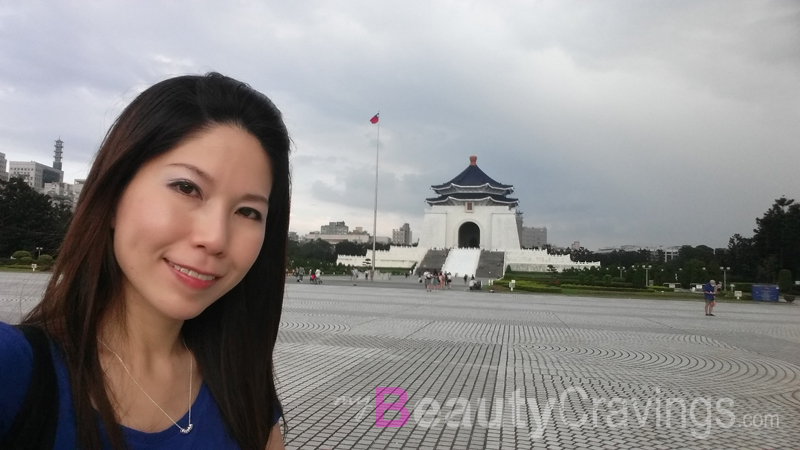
{"x":38,"y":252}
{"x":724,"y":276}
{"x":620,"y":273}
{"x":647,"y":275}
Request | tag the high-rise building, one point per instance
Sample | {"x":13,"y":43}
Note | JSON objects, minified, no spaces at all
{"x":334,"y":228}
{"x":3,"y":170}
{"x":58,"y":152}
{"x":402,"y":236}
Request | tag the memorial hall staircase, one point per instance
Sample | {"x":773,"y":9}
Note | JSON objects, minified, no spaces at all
{"x":433,"y":260}
{"x":462,"y":261}
{"x":490,"y":265}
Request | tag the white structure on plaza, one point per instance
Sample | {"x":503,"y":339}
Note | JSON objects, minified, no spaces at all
{"x":395,"y":258}
{"x":471,"y":211}
{"x":471,"y":228}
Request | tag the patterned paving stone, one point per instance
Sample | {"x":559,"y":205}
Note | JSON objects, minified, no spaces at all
{"x":508,"y":371}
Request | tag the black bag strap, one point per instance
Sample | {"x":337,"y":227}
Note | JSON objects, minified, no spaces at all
{"x":34,"y":427}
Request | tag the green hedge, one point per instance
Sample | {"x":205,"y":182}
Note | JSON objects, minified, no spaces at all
{"x":661,"y":289}
{"x":530,"y":287}
{"x":603,"y":288}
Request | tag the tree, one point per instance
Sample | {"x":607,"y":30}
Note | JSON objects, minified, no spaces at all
{"x":350,"y":248}
{"x":777,"y":235}
{"x":742,"y":257}
{"x":29,"y":219}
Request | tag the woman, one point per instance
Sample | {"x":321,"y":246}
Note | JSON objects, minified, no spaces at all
{"x":164,"y":304}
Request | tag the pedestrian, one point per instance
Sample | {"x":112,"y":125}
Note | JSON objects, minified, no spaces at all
{"x":354,"y":275}
{"x":318,"y":276}
{"x":465,"y":278}
{"x":710,"y":292}
{"x":169,"y":318}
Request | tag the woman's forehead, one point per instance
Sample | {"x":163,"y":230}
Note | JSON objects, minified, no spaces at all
{"x":223,"y":154}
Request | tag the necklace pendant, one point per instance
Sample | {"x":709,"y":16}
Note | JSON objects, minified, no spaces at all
{"x":187,"y":429}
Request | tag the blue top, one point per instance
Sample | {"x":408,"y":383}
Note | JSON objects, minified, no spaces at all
{"x":16,"y":367}
{"x":708,"y":291}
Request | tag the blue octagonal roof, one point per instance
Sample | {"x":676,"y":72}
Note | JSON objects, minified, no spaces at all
{"x":472,"y":176}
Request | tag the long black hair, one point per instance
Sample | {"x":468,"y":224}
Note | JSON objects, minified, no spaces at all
{"x":234,"y":338}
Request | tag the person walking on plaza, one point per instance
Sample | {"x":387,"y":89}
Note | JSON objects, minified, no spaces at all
{"x":465,"y":278}
{"x":709,"y":292}
{"x":354,"y":275}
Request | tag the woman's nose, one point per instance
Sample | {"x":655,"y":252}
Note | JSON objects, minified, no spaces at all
{"x":211,"y":231}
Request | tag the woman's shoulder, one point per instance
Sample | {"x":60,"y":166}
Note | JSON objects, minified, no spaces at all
{"x":16,"y":366}
{"x":14,"y":350}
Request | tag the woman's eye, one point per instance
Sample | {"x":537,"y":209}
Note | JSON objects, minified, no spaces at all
{"x":185,"y":187}
{"x":250,"y":213}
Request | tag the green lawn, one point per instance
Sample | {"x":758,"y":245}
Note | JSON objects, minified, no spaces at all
{"x":690,"y":296}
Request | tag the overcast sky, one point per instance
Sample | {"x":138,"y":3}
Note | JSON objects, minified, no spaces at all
{"x":618,"y":122}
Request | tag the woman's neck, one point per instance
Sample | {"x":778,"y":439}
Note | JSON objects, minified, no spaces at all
{"x":142,"y":335}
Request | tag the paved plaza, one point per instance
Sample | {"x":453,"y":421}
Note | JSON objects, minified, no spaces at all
{"x":479,"y":370}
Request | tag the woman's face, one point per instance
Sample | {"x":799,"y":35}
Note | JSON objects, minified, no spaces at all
{"x":191,"y":222}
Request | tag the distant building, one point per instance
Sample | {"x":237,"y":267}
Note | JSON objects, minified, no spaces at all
{"x":334,"y":228}
{"x":36,"y":174}
{"x":352,"y":237}
{"x":61,"y":193}
{"x":402,"y":236}
{"x":575,"y":245}
{"x":533,"y":237}
{"x":77,"y":188}
{"x":3,"y":170}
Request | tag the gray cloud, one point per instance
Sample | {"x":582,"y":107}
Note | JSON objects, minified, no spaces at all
{"x":625,"y":122}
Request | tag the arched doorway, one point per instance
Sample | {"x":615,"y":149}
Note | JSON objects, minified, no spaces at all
{"x":469,"y":235}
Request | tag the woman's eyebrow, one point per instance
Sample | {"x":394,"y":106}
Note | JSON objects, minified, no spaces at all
{"x":255,"y":198}
{"x":196,"y":170}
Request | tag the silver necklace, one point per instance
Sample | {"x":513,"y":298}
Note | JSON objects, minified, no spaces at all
{"x":191,"y":370}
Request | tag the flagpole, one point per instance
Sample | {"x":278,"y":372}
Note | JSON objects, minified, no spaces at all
{"x":375,"y":212}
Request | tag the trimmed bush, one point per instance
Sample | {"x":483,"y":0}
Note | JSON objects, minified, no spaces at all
{"x":45,"y":259}
{"x":785,"y":281}
{"x":21,"y":254}
{"x":663,"y":289}
{"x":25,"y":260}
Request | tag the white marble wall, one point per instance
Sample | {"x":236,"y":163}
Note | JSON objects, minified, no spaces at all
{"x":538,"y":260}
{"x":497,"y":224}
{"x":395,"y":257}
